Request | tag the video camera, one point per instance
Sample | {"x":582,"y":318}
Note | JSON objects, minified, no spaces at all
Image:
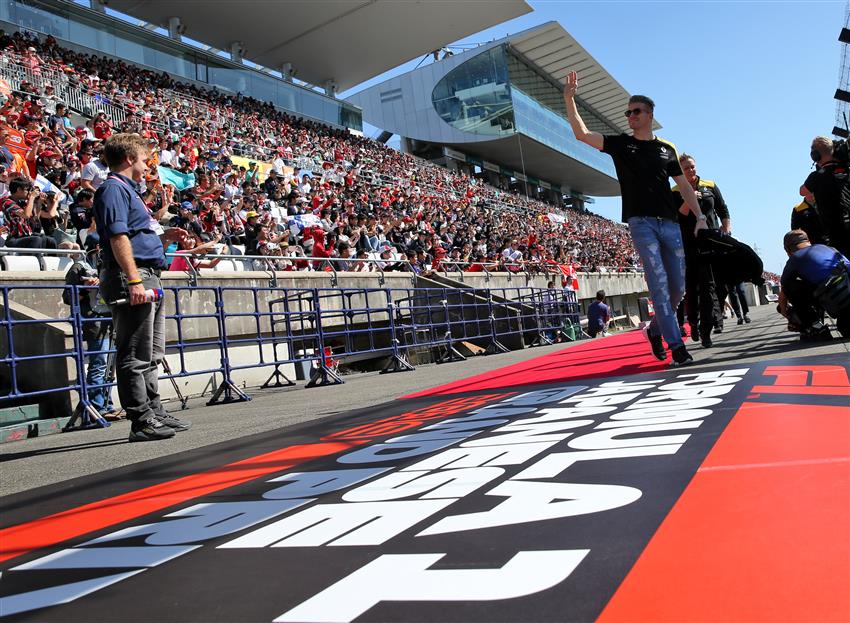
{"x":841,"y":151}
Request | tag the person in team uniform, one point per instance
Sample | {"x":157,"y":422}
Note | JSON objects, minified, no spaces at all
{"x":701,"y":301}
{"x":644,"y":164}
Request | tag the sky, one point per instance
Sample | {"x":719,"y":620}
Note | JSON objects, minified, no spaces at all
{"x":743,"y":86}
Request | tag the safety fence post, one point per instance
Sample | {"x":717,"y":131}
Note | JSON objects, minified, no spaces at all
{"x":398,"y":360}
{"x":538,"y":300}
{"x":227,"y":388}
{"x":276,"y":374}
{"x":85,"y":412}
{"x":10,"y":359}
{"x":495,"y":346}
{"x":451,"y":353}
{"x":324,"y":374}
{"x":178,"y":318}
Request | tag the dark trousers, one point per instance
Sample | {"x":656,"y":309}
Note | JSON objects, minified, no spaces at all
{"x":139,"y":345}
{"x":36,"y":241}
{"x":701,"y":306}
{"x":737,"y":300}
{"x":801,"y":297}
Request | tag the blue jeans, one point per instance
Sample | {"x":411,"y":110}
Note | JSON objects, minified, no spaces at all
{"x":100,"y":397}
{"x":659,"y":243}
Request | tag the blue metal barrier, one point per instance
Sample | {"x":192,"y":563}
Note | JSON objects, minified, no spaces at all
{"x":274,"y":327}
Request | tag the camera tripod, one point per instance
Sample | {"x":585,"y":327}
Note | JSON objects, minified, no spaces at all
{"x":88,"y":415}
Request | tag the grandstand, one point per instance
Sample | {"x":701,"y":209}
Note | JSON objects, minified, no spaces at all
{"x":348,"y":174}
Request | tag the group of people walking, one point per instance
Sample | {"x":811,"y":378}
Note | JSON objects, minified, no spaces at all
{"x":666,"y":225}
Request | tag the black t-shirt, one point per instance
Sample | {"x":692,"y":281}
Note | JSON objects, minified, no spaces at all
{"x":711,"y":204}
{"x":807,"y":218}
{"x":826,"y":184}
{"x":643,"y":168}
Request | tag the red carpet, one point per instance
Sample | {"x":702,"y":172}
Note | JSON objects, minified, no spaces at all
{"x":761,"y":534}
{"x":622,"y":354}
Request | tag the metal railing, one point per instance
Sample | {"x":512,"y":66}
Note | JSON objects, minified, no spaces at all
{"x":285,"y":263}
{"x":282,"y":327}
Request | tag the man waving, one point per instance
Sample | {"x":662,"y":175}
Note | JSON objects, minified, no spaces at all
{"x":644,"y":164}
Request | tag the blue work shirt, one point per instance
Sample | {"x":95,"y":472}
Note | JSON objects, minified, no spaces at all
{"x":598,"y":313}
{"x":119,"y":209}
{"x":812,"y":264}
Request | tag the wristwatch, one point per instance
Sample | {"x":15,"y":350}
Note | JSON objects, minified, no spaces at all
{"x":701,"y":217}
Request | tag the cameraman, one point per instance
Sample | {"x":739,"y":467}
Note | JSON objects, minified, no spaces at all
{"x":96,"y":333}
{"x":826,"y":184}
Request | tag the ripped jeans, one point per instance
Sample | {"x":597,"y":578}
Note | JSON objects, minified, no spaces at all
{"x":659,"y":243}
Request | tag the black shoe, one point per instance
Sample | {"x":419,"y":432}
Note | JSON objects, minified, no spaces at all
{"x":657,"y":347}
{"x":747,"y":319}
{"x":740,"y":321}
{"x":150,"y":430}
{"x":695,"y":336}
{"x":818,"y":333}
{"x":681,"y":357}
{"x":706,"y":341}
{"x":174,"y":423}
{"x":843,"y":325}
{"x":718,"y":329}
{"x":683,"y":331}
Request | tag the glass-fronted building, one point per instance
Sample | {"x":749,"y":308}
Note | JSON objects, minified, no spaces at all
{"x":497,"y":94}
{"x":88,"y":31}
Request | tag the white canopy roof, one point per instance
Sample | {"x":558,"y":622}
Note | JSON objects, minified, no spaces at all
{"x":343,"y":41}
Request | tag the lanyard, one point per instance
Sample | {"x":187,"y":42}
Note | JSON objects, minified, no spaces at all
{"x":133,"y":189}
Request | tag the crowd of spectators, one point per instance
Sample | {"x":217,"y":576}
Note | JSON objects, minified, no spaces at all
{"x":328,"y":193}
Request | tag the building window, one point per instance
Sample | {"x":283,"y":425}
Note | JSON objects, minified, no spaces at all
{"x":475,"y":96}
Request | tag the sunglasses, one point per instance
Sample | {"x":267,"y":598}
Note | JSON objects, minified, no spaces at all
{"x":633,"y":111}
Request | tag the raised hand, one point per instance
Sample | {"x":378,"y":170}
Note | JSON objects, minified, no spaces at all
{"x":571,"y":86}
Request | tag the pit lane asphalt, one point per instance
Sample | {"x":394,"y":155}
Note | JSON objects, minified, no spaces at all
{"x":36,"y":462}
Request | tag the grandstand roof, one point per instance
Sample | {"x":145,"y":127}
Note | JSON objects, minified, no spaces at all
{"x":521,"y":153}
{"x":556,"y":52}
{"x":344,"y":41}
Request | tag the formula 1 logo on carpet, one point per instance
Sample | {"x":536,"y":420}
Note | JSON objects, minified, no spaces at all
{"x":526,"y":504}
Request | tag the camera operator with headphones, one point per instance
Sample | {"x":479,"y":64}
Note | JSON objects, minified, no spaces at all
{"x":826,"y":184}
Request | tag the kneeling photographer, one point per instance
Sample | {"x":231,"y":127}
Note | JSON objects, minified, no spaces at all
{"x":816,"y":278}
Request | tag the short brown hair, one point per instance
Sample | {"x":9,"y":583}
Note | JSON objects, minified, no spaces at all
{"x":642,"y":99}
{"x":823,"y":144}
{"x":119,"y":147}
{"x":685,"y":156}
{"x":794,"y":239}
